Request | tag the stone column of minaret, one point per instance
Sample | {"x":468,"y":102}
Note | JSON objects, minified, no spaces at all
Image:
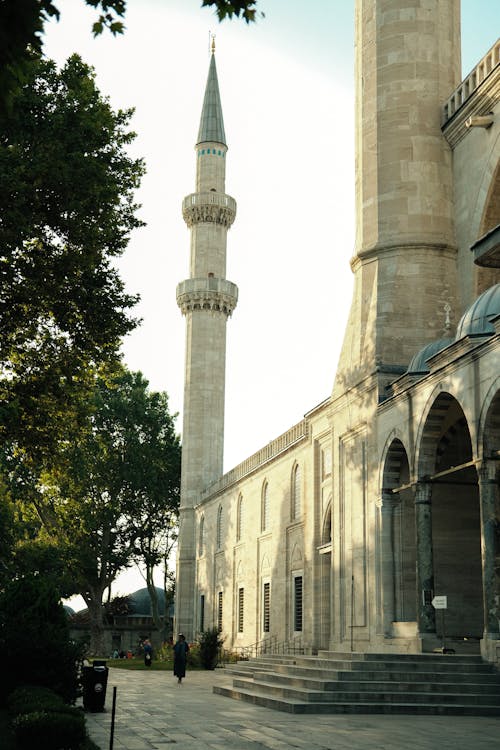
{"x":407,"y":62}
{"x":207,"y":299}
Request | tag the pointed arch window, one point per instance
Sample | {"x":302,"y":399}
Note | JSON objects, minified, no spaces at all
{"x":219,"y":527}
{"x":201,"y":536}
{"x":265,"y":507}
{"x":239,"y":518}
{"x":296,"y":492}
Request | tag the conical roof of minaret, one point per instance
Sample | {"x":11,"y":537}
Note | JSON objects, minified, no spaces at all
{"x":212,"y":122}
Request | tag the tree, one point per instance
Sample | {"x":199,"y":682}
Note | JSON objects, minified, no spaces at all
{"x":22,"y":24}
{"x":95,"y":503}
{"x":66,"y":191}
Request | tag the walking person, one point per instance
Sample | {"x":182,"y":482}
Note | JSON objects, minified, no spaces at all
{"x":148,"y":652}
{"x":181,"y":649}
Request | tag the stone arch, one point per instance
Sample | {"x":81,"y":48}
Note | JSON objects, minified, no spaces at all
{"x":396,"y":540}
{"x":489,"y":423}
{"x":201,"y":536}
{"x":265,"y":510}
{"x":297,"y":558}
{"x":296,"y":493}
{"x":449,"y":545}
{"x":239,"y":517}
{"x":324,"y":606}
{"x":218,"y":535}
{"x":490,"y":218}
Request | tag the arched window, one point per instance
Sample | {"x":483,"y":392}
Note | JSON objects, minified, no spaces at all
{"x":239,"y":519}
{"x":219,"y":527}
{"x":296,"y":492}
{"x":201,"y":537}
{"x":265,"y":507}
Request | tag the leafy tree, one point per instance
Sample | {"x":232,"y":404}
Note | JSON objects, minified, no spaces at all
{"x":22,"y":24}
{"x":95,"y":503}
{"x":66,"y":191}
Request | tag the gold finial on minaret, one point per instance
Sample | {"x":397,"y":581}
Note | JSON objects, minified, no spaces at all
{"x":213,"y":44}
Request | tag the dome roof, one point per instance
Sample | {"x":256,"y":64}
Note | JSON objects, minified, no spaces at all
{"x":140,"y":602}
{"x":419,"y":361}
{"x":477,"y":319}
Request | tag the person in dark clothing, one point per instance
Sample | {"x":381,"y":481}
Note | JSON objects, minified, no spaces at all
{"x":148,"y":652}
{"x":181,"y":649}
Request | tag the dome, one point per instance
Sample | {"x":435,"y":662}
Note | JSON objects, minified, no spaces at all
{"x":140,"y":602}
{"x":419,"y":361}
{"x":477,"y":319}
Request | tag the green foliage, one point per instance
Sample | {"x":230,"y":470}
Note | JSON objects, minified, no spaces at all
{"x":210,"y":642}
{"x":229,"y":8}
{"x":48,"y":730}
{"x":66,"y":190}
{"x":34,"y":639}
{"x":28,"y":698}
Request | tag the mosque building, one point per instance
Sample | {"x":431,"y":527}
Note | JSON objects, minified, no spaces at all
{"x":341,"y":532}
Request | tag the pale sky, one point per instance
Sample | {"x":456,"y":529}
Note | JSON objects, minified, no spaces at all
{"x":287,"y":91}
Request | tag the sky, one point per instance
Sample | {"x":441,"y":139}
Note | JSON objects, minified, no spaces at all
{"x":287,"y":91}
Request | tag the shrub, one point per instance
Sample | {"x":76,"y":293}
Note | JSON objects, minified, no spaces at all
{"x":24,"y":700}
{"x":210,"y":641}
{"x":34,"y":639}
{"x":47,"y":730}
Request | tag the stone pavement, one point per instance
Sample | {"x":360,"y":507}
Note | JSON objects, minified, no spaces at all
{"x":153,"y":713}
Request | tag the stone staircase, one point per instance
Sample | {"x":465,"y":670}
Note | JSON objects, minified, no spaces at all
{"x":334,"y":683}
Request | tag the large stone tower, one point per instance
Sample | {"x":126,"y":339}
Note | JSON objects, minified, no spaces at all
{"x":207,"y":299}
{"x":407,"y":62}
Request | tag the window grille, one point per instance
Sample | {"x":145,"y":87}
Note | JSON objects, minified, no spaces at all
{"x":266,"y":620}
{"x":219,"y":613}
{"x":297,"y":598}
{"x":241,"y":604}
{"x":202,"y":613}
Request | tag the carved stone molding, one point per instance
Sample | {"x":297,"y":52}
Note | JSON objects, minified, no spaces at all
{"x":216,"y":208}
{"x":212,"y":294}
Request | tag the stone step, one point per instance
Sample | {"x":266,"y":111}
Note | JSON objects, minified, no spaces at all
{"x":373,"y":685}
{"x":359,"y":656}
{"x":436,"y":663}
{"x":301,"y":707}
{"x":344,"y":695}
{"x":490,"y":677}
{"x":348,"y":683}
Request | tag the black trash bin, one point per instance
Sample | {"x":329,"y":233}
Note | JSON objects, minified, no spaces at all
{"x":94,"y":681}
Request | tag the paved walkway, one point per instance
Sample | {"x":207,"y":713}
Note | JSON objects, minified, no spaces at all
{"x":153,"y":713}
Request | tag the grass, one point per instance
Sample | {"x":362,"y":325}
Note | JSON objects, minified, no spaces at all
{"x":138,"y":664}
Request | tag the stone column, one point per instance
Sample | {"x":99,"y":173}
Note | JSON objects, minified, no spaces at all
{"x":488,"y":491}
{"x":387,"y":505}
{"x":426,"y":615}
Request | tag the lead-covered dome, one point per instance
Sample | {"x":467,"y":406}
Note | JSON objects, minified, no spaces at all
{"x":419,"y":361}
{"x":478,"y":317}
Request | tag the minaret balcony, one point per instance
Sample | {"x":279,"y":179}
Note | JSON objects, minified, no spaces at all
{"x":207,"y":293}
{"x":212,"y":207}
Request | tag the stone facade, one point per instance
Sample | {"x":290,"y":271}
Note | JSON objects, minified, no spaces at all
{"x":339,"y":533}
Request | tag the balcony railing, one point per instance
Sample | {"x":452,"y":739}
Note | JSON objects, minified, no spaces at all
{"x":479,"y":74}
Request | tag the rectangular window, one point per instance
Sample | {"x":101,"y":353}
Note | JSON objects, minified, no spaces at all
{"x":297,"y":604}
{"x":219,"y":613}
{"x":202,"y":613}
{"x":241,"y":604}
{"x":266,"y":612}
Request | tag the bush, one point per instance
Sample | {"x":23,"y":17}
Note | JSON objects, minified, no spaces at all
{"x":24,"y":700}
{"x":34,"y":639}
{"x":47,"y":730}
{"x":210,"y":641}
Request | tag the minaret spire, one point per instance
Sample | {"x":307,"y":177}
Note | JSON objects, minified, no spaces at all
{"x":206,"y":299}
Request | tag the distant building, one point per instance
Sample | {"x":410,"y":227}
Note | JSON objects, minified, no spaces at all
{"x":126,"y":627}
{"x":340,"y":533}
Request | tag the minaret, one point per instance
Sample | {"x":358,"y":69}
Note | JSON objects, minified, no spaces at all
{"x":407,"y":62}
{"x":207,"y":299}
